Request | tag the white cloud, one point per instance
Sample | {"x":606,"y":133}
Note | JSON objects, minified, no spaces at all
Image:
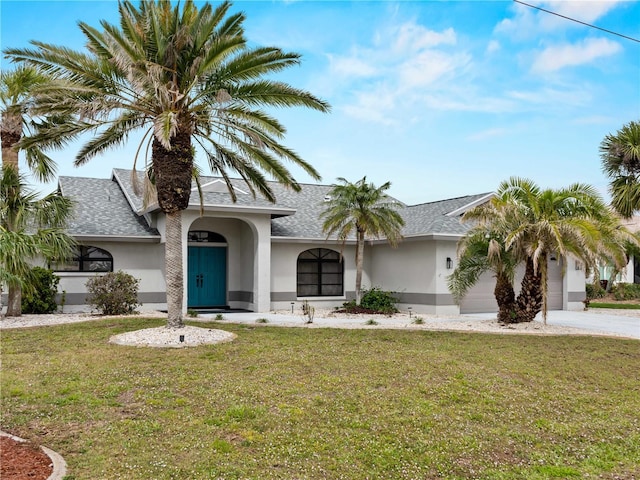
{"x":551,"y":98}
{"x":560,"y":56}
{"x":351,"y":66}
{"x":373,"y":105}
{"x":493,"y":46}
{"x":428,"y":67}
{"x":389,"y":75}
{"x":412,"y":37}
{"x":584,"y":11}
{"x":469,"y":102}
{"x":527,"y":22}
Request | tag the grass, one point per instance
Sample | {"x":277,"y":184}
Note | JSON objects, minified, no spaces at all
{"x":623,"y":306}
{"x":293,"y":403}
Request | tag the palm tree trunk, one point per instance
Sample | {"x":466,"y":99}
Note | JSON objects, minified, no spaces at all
{"x":505,"y":296}
{"x":529,"y":301}
{"x":359,"y":265}
{"x":14,"y":301}
{"x":544,"y":286}
{"x":173,"y":170}
{"x":10,"y":135}
{"x":173,"y":266}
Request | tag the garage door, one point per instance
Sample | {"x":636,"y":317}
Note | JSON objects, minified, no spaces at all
{"x":554,"y":287}
{"x":480,"y":298}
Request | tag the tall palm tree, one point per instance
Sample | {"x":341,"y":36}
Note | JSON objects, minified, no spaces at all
{"x":620,"y":155}
{"x":572,"y":221}
{"x":17,"y":120}
{"x":186,"y":77}
{"x":31,"y":228}
{"x":363,"y":209}
{"x":480,"y":251}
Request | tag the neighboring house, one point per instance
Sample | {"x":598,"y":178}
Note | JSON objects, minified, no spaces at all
{"x":260,"y":256}
{"x":631,"y":273}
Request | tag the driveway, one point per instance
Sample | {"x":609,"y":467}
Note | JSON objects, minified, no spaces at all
{"x":603,"y":320}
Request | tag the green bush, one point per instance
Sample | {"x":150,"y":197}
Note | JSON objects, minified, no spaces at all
{"x":379,"y":300}
{"x":115,"y":293}
{"x":39,"y":294}
{"x":595,"y":291}
{"x":374,"y":300}
{"x":626,"y":291}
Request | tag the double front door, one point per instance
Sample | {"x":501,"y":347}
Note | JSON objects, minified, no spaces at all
{"x":207,"y":277}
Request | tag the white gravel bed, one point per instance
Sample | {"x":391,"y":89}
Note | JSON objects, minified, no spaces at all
{"x":164,"y":337}
{"x":324,"y":318}
{"x":60,"y":318}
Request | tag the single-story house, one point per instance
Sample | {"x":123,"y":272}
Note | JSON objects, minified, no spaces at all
{"x":262,"y":256}
{"x":630,"y":274}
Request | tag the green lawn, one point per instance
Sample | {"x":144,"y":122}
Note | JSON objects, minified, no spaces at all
{"x":296,"y":403}
{"x":623,"y":306}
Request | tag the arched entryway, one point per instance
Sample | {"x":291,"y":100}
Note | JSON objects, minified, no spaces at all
{"x":206,"y":270}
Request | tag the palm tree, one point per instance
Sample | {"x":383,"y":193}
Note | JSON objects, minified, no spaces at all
{"x":30,"y":228}
{"x":572,"y":221}
{"x":16,"y":120}
{"x":480,"y":251}
{"x":363,"y":209}
{"x":621,"y":163}
{"x":186,"y":77}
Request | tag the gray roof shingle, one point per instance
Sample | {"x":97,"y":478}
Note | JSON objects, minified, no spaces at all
{"x":106,"y":207}
{"x":101,"y":209}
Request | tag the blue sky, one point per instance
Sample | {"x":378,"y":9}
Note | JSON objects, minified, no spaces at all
{"x":441,"y":98}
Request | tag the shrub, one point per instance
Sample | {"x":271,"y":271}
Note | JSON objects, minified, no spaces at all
{"x":373,"y":301}
{"x":594,"y":290}
{"x":379,"y":301}
{"x":115,"y":293}
{"x":626,"y":291}
{"x":39,"y":294}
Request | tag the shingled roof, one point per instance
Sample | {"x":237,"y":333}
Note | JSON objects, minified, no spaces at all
{"x":102,"y":210}
{"x":110,"y":207}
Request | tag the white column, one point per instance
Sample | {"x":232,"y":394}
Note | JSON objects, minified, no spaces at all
{"x":262,"y":265}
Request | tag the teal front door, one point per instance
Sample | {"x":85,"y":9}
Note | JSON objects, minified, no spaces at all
{"x":207,"y":277}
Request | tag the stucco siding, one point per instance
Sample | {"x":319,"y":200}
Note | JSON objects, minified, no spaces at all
{"x":416,"y":271}
{"x":284,"y":258}
{"x":143,"y":261}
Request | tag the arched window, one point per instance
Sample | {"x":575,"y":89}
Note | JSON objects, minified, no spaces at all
{"x":87,"y":259}
{"x":202,"y":236}
{"x":319,"y":273}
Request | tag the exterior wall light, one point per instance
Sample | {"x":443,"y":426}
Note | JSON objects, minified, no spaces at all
{"x":449,"y":263}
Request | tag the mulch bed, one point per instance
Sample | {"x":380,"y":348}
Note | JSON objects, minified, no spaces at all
{"x":23,"y":461}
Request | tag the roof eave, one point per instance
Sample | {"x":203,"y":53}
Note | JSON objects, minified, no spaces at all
{"x":281,"y":239}
{"x":212,"y":208}
{"x":118,"y":238}
{"x":470,"y":205}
